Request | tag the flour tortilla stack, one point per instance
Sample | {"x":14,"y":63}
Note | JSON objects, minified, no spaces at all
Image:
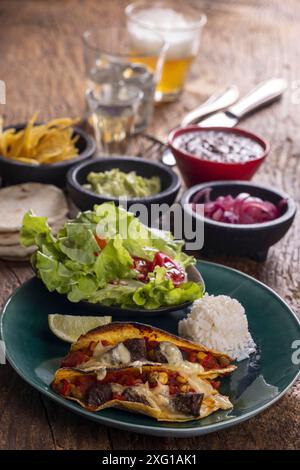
{"x":43,"y":199}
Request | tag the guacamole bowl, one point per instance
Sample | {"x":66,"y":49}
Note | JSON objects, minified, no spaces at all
{"x":85,"y":198}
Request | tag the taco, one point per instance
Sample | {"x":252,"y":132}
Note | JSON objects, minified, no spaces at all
{"x":123,"y":344}
{"x":158,"y":391}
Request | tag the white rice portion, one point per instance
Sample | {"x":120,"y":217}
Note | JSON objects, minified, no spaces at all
{"x":219,"y":322}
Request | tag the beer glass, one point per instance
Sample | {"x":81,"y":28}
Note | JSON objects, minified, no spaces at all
{"x":180,"y":26}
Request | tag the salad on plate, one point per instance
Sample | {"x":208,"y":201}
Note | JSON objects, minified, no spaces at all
{"x":107,"y":256}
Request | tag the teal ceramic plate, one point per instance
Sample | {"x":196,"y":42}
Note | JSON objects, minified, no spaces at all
{"x":257,"y":383}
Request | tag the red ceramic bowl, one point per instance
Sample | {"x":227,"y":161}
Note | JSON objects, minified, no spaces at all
{"x":197,"y":170}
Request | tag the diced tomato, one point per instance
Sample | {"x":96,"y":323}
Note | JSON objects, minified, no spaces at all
{"x":176,"y":275}
{"x":74,"y":358}
{"x":110,"y":377}
{"x":64,"y":387}
{"x":172,"y":375}
{"x":143,"y":267}
{"x":173,"y":389}
{"x":127,"y":380}
{"x":101,"y":242}
{"x":216,"y":383}
{"x":138,"y":381}
{"x":209,"y":362}
{"x":123,"y":378}
{"x":159,"y":259}
{"x":174,"y":271}
{"x":118,"y":396}
{"x":133,"y":381}
{"x":193,"y":357}
{"x":152,"y":384}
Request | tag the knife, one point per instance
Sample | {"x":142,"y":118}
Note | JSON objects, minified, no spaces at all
{"x":262,"y":95}
{"x":265,"y":93}
{"x":216,"y":102}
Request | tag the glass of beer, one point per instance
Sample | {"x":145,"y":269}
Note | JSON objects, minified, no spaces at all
{"x":180,"y":26}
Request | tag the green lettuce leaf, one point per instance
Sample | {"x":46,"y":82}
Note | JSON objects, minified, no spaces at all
{"x":113,"y":263}
{"x":35,"y":230}
{"x":116,"y":294}
{"x":78,"y":243}
{"x":161,"y":292}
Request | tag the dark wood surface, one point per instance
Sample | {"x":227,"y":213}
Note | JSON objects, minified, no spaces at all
{"x":244,"y":42}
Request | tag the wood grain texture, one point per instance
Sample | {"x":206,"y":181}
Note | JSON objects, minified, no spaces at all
{"x":243,"y":43}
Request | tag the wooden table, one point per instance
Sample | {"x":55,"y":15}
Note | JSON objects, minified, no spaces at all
{"x":244,"y":42}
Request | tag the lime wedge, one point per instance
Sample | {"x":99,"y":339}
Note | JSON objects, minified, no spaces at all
{"x":70,"y":327}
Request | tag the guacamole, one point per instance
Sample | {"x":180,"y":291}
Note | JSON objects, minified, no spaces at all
{"x":116,"y":183}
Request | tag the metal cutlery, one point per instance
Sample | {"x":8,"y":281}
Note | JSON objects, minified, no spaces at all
{"x":220,"y":100}
{"x":262,"y":95}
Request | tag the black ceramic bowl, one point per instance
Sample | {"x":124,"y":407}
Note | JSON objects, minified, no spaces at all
{"x":85,"y":199}
{"x":251,"y":240}
{"x":15,"y":172}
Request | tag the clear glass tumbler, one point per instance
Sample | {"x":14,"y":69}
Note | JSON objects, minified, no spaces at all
{"x":113,"y":108}
{"x":112,"y":56}
{"x":180,"y":26}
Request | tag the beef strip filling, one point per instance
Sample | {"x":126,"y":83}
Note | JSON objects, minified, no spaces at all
{"x":131,"y":395}
{"x":185,"y":354}
{"x":137,"y":348}
{"x":157,"y":355}
{"x":99,"y":394}
{"x":188,"y":403}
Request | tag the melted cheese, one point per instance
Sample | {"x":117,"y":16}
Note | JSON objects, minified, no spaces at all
{"x":113,"y":356}
{"x":91,"y":366}
{"x":171,"y":352}
{"x":101,"y":374}
{"x":120,"y":354}
{"x":174,"y":357}
{"x":96,"y":361}
{"x":117,"y":388}
{"x":99,"y":349}
{"x":109,"y":357}
{"x":201,"y":386}
{"x":191,"y":367}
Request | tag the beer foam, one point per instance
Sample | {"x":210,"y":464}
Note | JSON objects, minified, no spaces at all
{"x":172,"y":26}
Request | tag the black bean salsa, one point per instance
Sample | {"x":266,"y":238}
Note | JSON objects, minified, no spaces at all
{"x":218,"y":146}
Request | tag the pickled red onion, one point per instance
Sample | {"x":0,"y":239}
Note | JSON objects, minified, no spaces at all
{"x":241,"y":209}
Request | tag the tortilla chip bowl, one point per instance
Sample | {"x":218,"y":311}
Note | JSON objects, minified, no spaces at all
{"x":16,"y":172}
